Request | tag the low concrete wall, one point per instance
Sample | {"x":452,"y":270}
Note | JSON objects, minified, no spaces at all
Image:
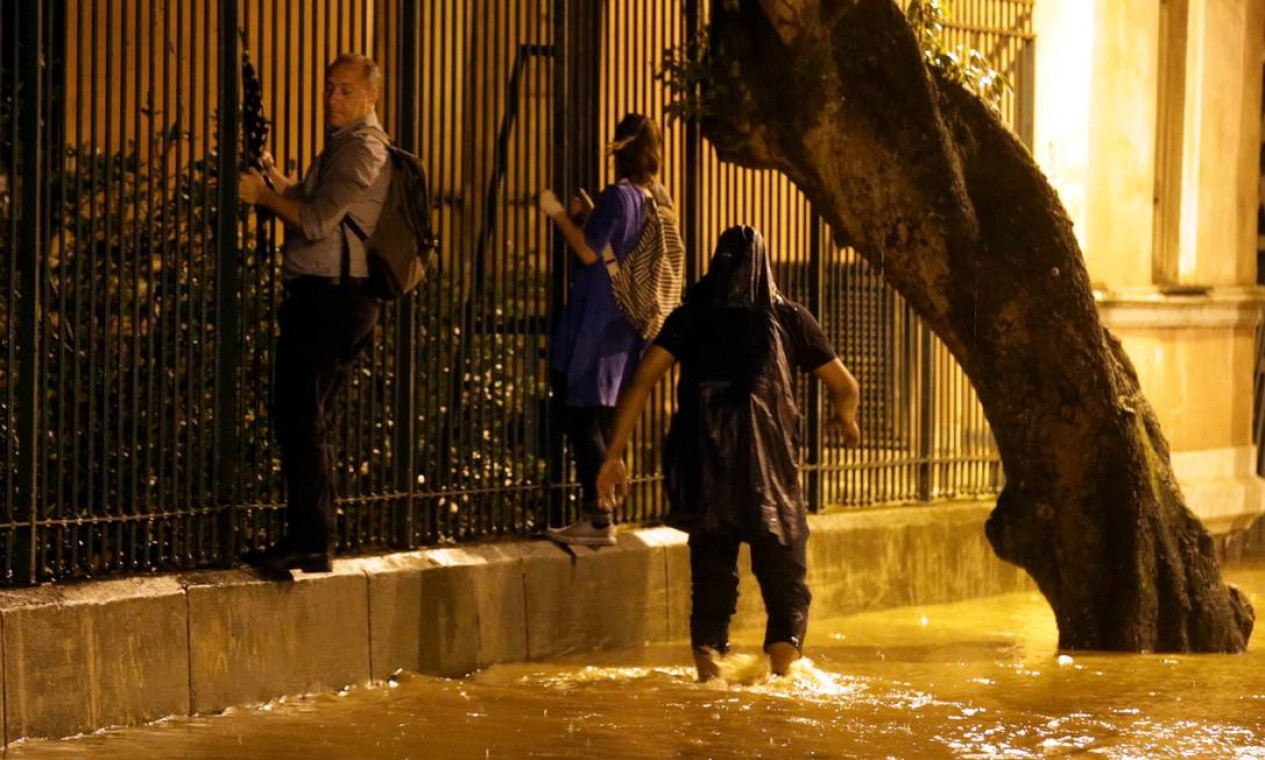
{"x":1247,"y":546}
{"x":131,"y":651}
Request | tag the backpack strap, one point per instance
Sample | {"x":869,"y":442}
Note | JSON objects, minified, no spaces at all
{"x":348,"y":221}
{"x":609,"y":260}
{"x":355,"y":227}
{"x":649,"y":206}
{"x":344,"y":274}
{"x":380,"y":134}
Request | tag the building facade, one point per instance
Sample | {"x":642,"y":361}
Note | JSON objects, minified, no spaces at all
{"x":1148,"y":123}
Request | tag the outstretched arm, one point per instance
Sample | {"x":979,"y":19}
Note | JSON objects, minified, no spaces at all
{"x":654,"y":365}
{"x":573,"y":233}
{"x":845,"y":397}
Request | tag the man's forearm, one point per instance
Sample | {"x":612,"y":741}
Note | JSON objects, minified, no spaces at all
{"x":281,"y":182}
{"x":846,"y":403}
{"x":287,"y":209}
{"x":845,"y":392}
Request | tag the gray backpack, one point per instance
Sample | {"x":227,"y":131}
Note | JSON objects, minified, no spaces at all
{"x":403,"y":244}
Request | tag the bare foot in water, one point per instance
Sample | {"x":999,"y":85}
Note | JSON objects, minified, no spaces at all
{"x":781,"y":655}
{"x":707,"y":661}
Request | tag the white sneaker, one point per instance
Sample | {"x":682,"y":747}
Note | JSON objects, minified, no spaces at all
{"x":582,"y":532}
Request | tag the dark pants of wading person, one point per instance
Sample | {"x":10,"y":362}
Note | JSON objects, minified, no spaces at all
{"x":780,"y":571}
{"x":324,"y":327}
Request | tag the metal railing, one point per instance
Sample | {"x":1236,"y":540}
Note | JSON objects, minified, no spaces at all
{"x":137,"y":317}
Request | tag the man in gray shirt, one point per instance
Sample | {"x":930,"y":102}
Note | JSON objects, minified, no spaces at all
{"x":328,"y":315}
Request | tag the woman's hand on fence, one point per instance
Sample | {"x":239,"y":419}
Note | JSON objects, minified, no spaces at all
{"x":612,"y":483}
{"x":550,"y":204}
{"x":580,"y":208}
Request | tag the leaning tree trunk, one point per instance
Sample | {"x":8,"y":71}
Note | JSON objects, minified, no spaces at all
{"x":927,"y":184}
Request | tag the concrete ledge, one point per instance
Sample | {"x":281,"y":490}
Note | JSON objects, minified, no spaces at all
{"x":676,"y":560}
{"x":906,"y":555}
{"x":396,"y":616}
{"x":80,"y":657}
{"x":131,"y":651}
{"x":1221,"y":487}
{"x":251,"y":640}
{"x":1246,"y":546}
{"x":871,"y":559}
{"x":447,"y":611}
{"x":595,"y":598}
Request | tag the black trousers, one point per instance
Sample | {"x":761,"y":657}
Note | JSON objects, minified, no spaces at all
{"x":780,"y":571}
{"x":324,"y":327}
{"x":588,"y":428}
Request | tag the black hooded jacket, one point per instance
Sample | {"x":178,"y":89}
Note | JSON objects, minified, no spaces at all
{"x":731,"y":452}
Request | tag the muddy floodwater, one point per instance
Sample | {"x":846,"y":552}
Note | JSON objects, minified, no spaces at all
{"x":973,"y":679}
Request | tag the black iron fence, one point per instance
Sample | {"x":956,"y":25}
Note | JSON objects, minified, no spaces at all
{"x":137,"y":316}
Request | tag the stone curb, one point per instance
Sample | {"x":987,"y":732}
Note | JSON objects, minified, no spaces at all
{"x":130,"y":651}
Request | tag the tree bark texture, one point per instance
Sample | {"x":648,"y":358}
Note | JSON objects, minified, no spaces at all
{"x":933,"y":190}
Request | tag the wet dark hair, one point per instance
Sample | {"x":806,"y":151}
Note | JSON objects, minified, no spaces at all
{"x":636,"y":148}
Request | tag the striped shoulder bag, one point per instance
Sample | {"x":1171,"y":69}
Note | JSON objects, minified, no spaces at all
{"x":647,"y":283}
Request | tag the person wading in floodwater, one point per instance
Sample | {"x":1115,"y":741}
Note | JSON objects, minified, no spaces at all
{"x":731,"y":451}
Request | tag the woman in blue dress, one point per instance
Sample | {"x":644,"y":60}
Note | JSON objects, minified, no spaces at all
{"x":594,"y":348}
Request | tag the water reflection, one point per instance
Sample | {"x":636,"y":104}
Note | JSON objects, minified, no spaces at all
{"x":978,"y":679}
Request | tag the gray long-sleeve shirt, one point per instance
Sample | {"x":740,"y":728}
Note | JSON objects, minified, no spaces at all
{"x":349,"y":177}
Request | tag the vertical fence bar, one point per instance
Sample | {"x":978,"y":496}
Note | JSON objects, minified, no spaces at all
{"x":9,"y":211}
{"x":132,"y":504}
{"x":449,"y":297}
{"x":432,"y":70}
{"x":560,"y":173}
{"x":815,"y":453}
{"x":30,"y":103}
{"x":406,"y":348}
{"x":1024,"y":78}
{"x":78,"y":464}
{"x":53,"y":229}
{"x":691,"y":179}
{"x":227,"y":281}
{"x":926,"y":413}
